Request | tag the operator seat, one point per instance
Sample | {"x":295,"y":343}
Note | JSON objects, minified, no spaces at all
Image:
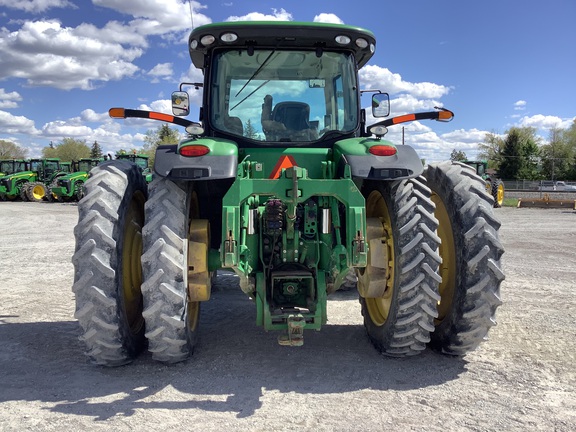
{"x":294,"y":115}
{"x":287,"y":121}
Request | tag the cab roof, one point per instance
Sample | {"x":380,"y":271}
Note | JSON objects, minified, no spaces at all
{"x":280,"y":35}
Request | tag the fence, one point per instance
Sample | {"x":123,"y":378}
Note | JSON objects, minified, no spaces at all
{"x":539,"y":185}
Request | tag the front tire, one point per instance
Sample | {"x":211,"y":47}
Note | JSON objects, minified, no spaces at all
{"x":107,"y":271}
{"x":399,"y":287}
{"x":471,"y":252}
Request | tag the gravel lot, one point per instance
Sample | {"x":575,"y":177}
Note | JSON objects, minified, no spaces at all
{"x":240,"y":379}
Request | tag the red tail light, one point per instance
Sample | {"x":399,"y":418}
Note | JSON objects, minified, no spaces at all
{"x":194,"y":150}
{"x":382,"y":150}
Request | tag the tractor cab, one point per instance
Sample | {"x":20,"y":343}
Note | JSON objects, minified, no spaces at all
{"x":276,"y":85}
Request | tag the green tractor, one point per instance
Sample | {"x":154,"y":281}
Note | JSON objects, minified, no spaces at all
{"x":71,"y":186}
{"x":32,"y":184}
{"x":141,"y":161}
{"x":285,"y":185}
{"x":9,"y":167}
{"x":494,"y":186}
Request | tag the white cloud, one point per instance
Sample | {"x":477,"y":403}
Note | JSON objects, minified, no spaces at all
{"x":277,"y":15}
{"x":62,"y":129}
{"x":47,"y":54}
{"x":36,"y":6}
{"x":372,"y":76}
{"x":161,"y":69}
{"x":540,"y":121}
{"x":89,"y":115}
{"x":158,"y":17}
{"x":11,"y":124}
{"x":328,"y":18}
{"x":520,"y":105}
{"x":9,"y":100}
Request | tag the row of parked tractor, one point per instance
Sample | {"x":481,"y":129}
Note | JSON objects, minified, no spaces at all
{"x":49,"y":179}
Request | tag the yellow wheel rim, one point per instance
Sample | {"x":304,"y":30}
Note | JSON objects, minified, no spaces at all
{"x":488,"y":187}
{"x":131,"y":266}
{"x":379,"y":307}
{"x":500,"y":197}
{"x":198,"y":238}
{"x":448,"y":253}
{"x":38,"y":192}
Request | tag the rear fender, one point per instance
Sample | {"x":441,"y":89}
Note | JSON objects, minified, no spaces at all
{"x":220,"y":163}
{"x":403,"y":165}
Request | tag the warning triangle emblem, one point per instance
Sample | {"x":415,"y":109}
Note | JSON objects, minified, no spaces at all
{"x":284,"y":162}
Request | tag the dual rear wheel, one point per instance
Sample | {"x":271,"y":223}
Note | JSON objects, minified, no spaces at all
{"x":442,"y":263}
{"x":131,"y":274}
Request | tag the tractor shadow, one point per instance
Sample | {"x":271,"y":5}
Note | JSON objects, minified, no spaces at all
{"x":234,"y":363}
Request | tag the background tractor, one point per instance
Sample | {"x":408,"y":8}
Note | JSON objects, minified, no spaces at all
{"x":494,"y":186}
{"x":284,"y":184}
{"x":71,"y":186}
{"x":32,"y":184}
{"x":9,"y":167}
{"x":141,"y":162}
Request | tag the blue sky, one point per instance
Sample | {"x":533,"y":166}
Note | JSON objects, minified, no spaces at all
{"x":495,"y":63}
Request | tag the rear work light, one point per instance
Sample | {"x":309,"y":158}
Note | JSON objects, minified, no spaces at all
{"x":382,"y":150}
{"x":194,"y":150}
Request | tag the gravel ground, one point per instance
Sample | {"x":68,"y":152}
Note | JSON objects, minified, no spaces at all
{"x":240,"y":379}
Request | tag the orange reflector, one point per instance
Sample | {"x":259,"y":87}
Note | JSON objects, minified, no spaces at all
{"x":194,"y":150}
{"x":116,"y":113}
{"x":445,"y":115}
{"x":382,"y":150}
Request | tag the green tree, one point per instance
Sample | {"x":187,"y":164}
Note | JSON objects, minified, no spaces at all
{"x":96,"y":151}
{"x":155,"y":137}
{"x":458,"y":156}
{"x":491,"y":150}
{"x":250,"y":131}
{"x":9,"y":150}
{"x":569,"y":136}
{"x":69,"y":149}
{"x":520,"y":154}
{"x":559,"y":155}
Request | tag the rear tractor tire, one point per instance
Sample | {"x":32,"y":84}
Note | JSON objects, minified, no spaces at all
{"x":107,"y":270}
{"x":497,"y":192}
{"x":36,"y":191}
{"x":399,"y":287}
{"x":471,"y":252}
{"x":174,"y":263}
{"x":24,"y":191}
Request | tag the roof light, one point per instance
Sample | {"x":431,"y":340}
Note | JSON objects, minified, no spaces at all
{"x":229,"y":37}
{"x":195,"y":129}
{"x":207,"y":40}
{"x":372,"y":48}
{"x":194,"y":150}
{"x":193,"y":44}
{"x":361,"y":43}
{"x":342,"y":40}
{"x":378,"y":130}
{"x":382,"y":150}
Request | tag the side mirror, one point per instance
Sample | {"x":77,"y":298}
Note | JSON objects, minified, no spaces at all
{"x":180,"y":103}
{"x":380,"y":105}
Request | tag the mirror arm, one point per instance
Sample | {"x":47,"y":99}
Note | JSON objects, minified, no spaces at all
{"x":153,"y":115}
{"x":443,"y":115}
